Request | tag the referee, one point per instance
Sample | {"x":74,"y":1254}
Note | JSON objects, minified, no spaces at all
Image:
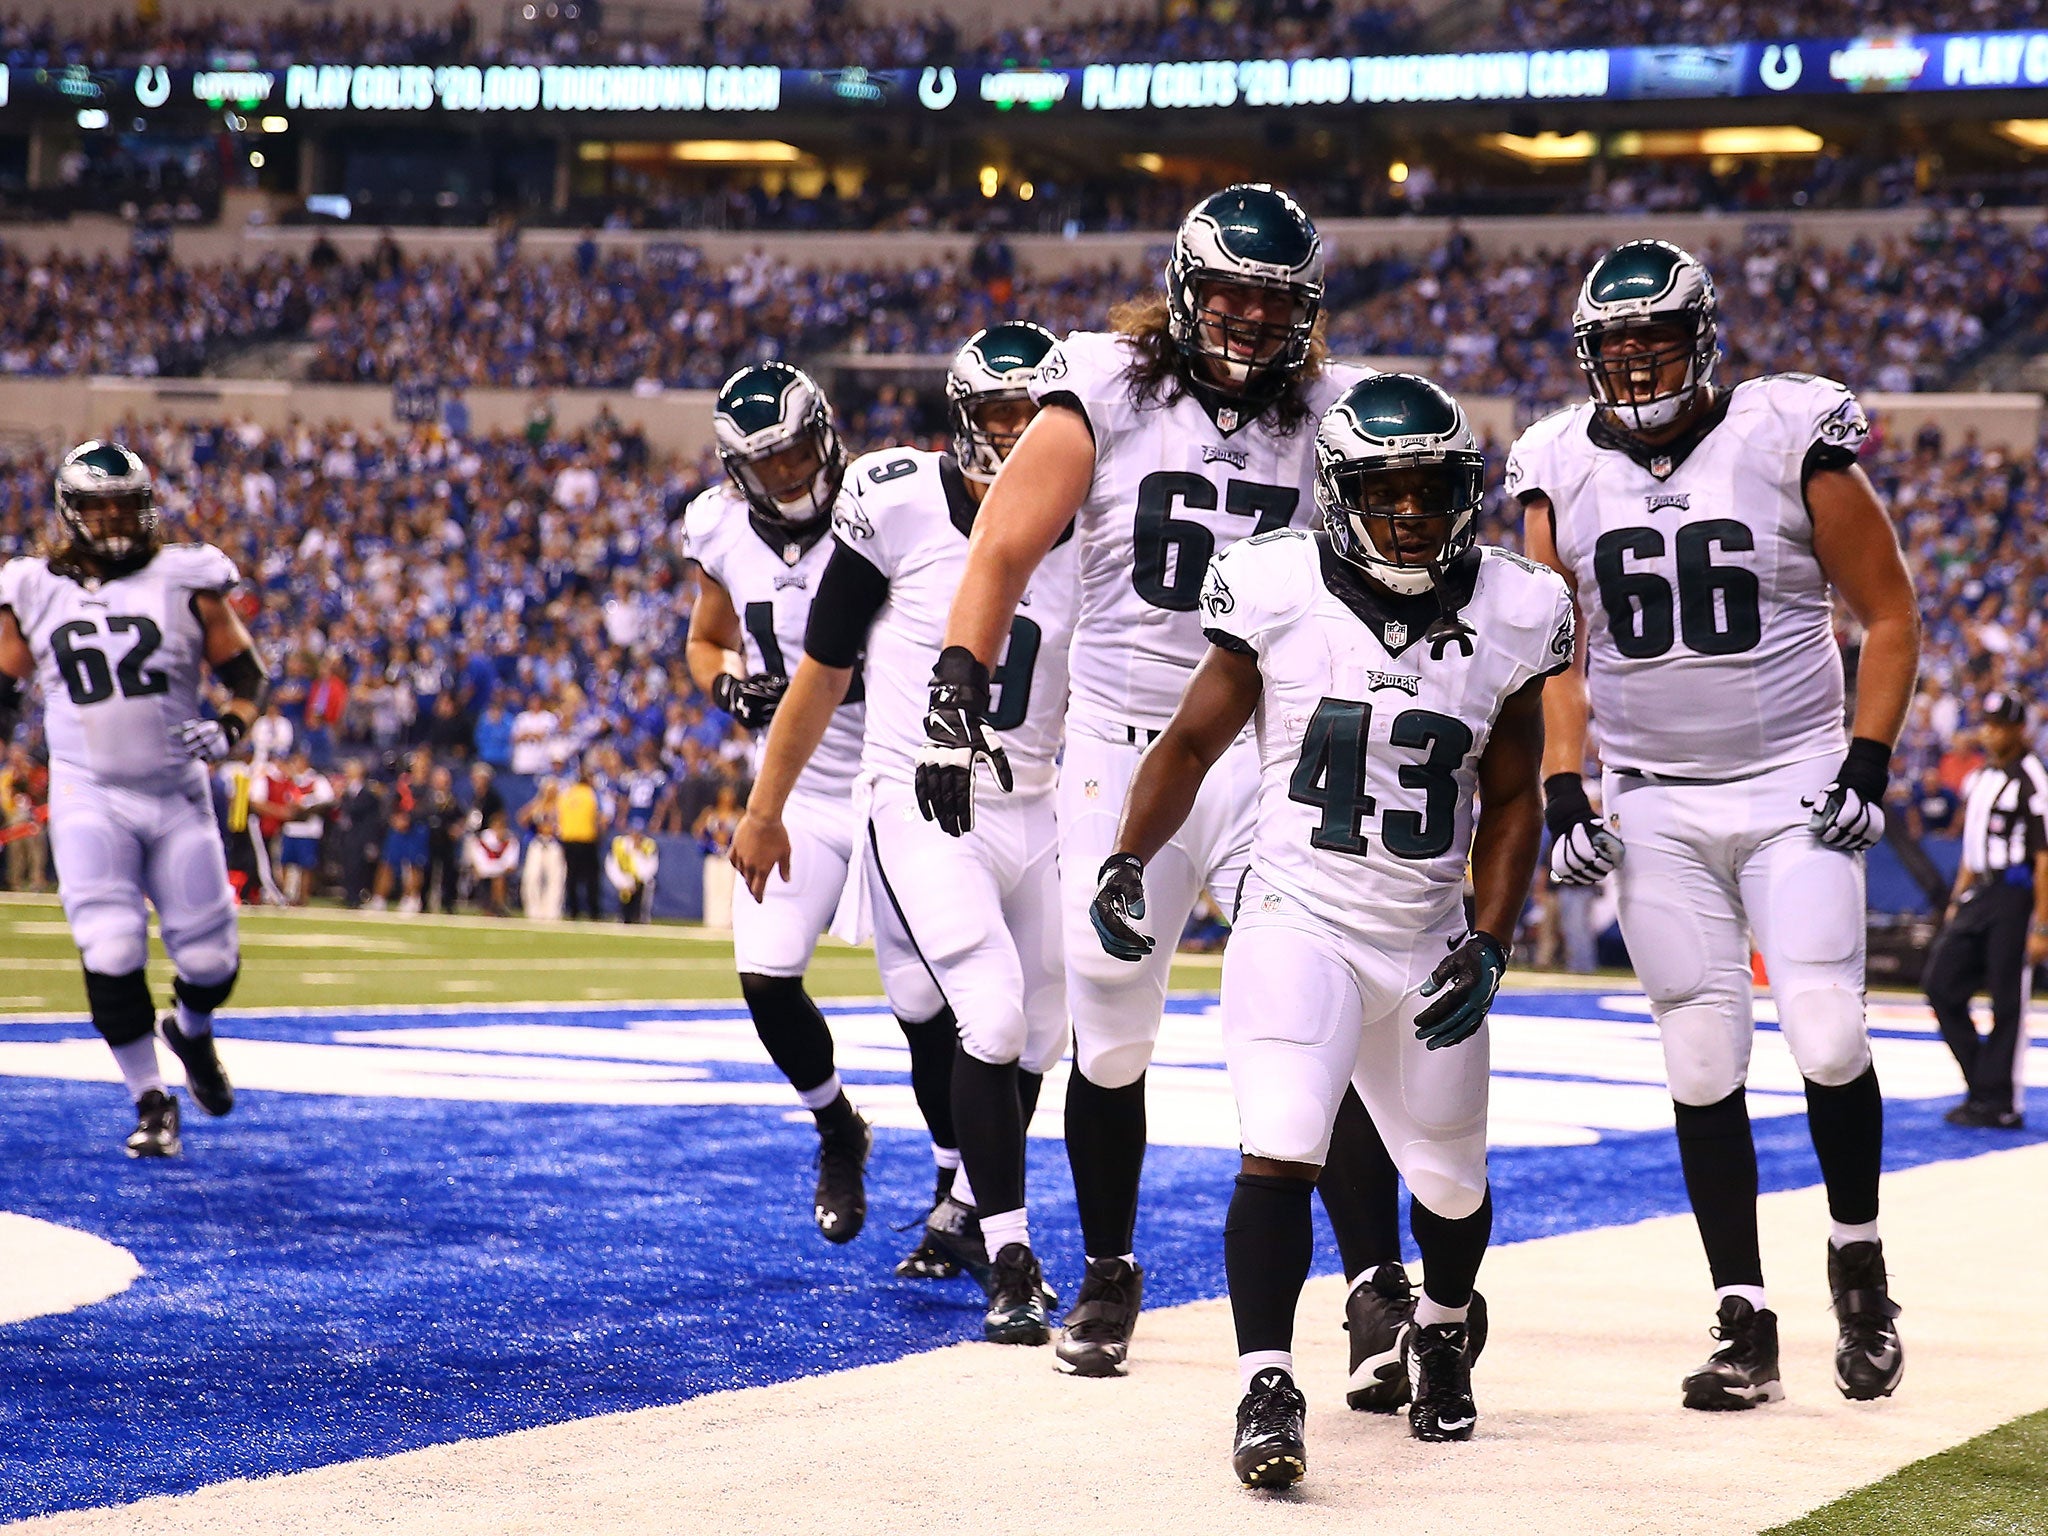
{"x":1996,"y":929}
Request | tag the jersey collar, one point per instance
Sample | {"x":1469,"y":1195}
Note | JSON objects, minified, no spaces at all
{"x":789,"y":544}
{"x":1660,"y":459}
{"x":1398,"y":622}
{"x":960,"y":507}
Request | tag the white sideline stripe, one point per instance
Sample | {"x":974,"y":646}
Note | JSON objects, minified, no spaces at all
{"x":52,"y":1268}
{"x":1579,"y":1431}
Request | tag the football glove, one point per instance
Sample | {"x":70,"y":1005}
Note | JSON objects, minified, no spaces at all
{"x":749,"y":700}
{"x":1849,"y":814}
{"x":1582,"y":852}
{"x":956,"y":738}
{"x":1119,"y":898}
{"x":1463,"y":987}
{"x":208,"y":741}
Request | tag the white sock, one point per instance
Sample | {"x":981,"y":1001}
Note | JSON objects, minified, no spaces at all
{"x":1259,"y":1360}
{"x":1432,"y":1314}
{"x":1842,"y":1233}
{"x":1129,"y":1258}
{"x":1364,"y":1278}
{"x":1004,"y":1228}
{"x":817,"y":1098}
{"x":192,"y":1025}
{"x":946,"y":1157}
{"x":1753,"y":1294}
{"x":139,"y":1069}
{"x":962,"y":1190}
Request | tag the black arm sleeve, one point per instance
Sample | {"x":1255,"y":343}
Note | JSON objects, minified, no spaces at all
{"x":1229,"y":642}
{"x":244,"y":676}
{"x":850,"y":594}
{"x":1824,"y":456}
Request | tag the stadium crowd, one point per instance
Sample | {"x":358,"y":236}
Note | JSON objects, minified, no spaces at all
{"x":1904,"y":314}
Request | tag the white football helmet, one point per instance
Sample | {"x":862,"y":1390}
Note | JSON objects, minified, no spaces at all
{"x":996,"y":366}
{"x":767,"y":414}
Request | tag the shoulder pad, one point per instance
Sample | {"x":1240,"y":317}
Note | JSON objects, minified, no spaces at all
{"x":1529,"y":608}
{"x":1529,"y":466}
{"x":1259,"y":583}
{"x":1810,"y":411}
{"x":198,"y":567}
{"x":704,"y":516}
{"x":1088,"y":364}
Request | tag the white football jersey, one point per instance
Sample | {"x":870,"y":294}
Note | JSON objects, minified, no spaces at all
{"x":119,"y":661}
{"x":771,"y":585}
{"x":908,"y":513}
{"x":1710,"y":647}
{"x":1370,"y":729}
{"x":1172,"y":487}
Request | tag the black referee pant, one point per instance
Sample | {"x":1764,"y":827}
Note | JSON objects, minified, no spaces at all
{"x":585,"y":879}
{"x":1984,"y":949}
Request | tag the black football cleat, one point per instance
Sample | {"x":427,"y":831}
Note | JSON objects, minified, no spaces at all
{"x":1268,"y":1451}
{"x":156,"y":1126}
{"x":1377,"y":1316}
{"x":1096,"y":1339}
{"x":928,"y":1261}
{"x":1743,"y":1372}
{"x":842,"y":1198}
{"x":1016,"y":1299}
{"x":204,"y":1074}
{"x":953,"y":1231}
{"x":1439,"y":1361}
{"x":1869,"y":1360}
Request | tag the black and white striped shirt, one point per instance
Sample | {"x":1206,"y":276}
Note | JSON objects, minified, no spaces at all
{"x":2003,"y":811}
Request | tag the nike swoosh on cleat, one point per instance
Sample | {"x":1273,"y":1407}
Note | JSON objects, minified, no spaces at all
{"x":1884,"y":1359}
{"x":1455,"y":1424}
{"x":1367,"y":1372}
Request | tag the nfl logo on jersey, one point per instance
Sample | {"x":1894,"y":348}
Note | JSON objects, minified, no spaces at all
{"x":1397,"y":635}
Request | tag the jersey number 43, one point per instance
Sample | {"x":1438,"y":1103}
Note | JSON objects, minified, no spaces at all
{"x":1332,"y":773}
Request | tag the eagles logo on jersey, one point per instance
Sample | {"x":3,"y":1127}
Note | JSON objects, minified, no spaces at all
{"x":1256,"y":237}
{"x":107,"y":504}
{"x":776,"y":439}
{"x":988,"y":393}
{"x":1399,"y":479}
{"x":1646,"y":308}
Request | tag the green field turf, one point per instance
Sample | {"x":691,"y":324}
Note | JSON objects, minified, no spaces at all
{"x":1994,"y":1485}
{"x":328,"y":957}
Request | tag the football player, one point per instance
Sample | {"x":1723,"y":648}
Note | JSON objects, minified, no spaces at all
{"x":1393,"y":666}
{"x":760,"y":544}
{"x":1160,"y":443}
{"x":115,"y":627}
{"x":972,"y":921}
{"x":1702,"y":530}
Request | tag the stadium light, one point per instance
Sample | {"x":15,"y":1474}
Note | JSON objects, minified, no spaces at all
{"x":92,"y":117}
{"x":274,"y":124}
{"x":1147,"y":162}
{"x":256,"y":161}
{"x":1544,"y":147}
{"x":2028,"y":132}
{"x":1397,"y":173}
{"x":991,"y":181}
{"x":735,"y":151}
{"x":1025,"y":192}
{"x":1658,"y":144}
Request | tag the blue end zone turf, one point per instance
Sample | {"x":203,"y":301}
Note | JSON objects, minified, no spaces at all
{"x":327,"y":1278}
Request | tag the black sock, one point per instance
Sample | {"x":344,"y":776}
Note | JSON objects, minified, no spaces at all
{"x":836,"y":1118}
{"x":990,"y":1119}
{"x":791,"y":1027}
{"x":1361,"y":1191}
{"x":1028,"y":1086}
{"x":1451,"y":1250}
{"x":933,"y":1043}
{"x":1268,"y":1241}
{"x":1847,"y":1124}
{"x":1719,"y":1158}
{"x":1106,"y":1150}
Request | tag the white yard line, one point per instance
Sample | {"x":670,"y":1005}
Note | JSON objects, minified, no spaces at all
{"x":1580,"y":1428}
